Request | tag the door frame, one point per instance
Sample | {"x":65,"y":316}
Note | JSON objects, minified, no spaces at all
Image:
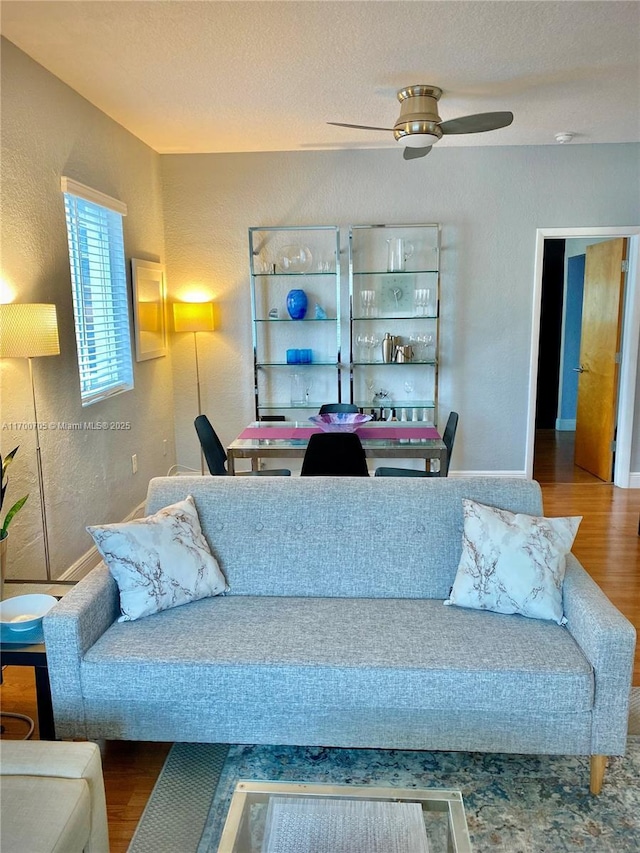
{"x":630,"y":343}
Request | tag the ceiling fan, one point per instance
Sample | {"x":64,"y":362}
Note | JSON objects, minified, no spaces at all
{"x":419,"y":126}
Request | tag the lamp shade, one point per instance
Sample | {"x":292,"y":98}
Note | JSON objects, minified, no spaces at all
{"x":28,"y":330}
{"x":193,"y":316}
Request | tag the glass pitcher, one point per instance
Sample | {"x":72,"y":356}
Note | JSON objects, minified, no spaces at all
{"x":399,"y":251}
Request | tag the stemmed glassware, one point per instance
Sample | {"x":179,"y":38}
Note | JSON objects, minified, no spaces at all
{"x":422,"y":302}
{"x":423,"y":345}
{"x":368,"y":343}
{"x":368,"y":303}
{"x":372,"y":343}
{"x":370,"y":383}
{"x":361,"y":343}
{"x":407,"y":414}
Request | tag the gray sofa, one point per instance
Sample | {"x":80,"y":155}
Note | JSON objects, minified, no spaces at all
{"x":334,"y":633}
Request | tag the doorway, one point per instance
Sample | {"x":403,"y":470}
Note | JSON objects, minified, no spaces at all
{"x":630,"y":337}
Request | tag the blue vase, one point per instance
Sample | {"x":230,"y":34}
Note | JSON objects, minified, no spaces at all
{"x":297,"y":304}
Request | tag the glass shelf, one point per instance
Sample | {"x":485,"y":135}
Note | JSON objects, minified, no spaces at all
{"x":394,"y":272}
{"x":297,"y":364}
{"x":384,"y":317}
{"x":396,"y":404}
{"x":393,"y":363}
{"x":294,"y":274}
{"x":290,"y":320}
{"x":284,"y":407}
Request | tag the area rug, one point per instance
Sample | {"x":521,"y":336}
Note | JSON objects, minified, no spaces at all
{"x":513,"y":803}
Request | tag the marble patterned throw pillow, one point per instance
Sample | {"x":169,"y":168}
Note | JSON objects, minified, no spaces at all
{"x":513,"y":563}
{"x":160,"y":561}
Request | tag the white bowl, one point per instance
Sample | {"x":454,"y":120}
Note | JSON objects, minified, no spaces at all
{"x":24,"y":612}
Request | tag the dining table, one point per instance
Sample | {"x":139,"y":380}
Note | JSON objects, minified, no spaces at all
{"x":380,"y":440}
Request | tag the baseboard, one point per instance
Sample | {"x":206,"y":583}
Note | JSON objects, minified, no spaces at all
{"x":566,"y":425}
{"x":90,"y":560}
{"x":466,"y":474}
{"x":634,"y":480}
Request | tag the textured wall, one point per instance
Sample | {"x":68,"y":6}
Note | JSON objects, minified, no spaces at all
{"x":490,"y":202}
{"x":48,"y":131}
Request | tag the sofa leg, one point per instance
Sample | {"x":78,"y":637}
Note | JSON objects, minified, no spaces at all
{"x":598,"y":766}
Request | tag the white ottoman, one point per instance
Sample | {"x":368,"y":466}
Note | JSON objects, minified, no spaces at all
{"x":52,"y":798}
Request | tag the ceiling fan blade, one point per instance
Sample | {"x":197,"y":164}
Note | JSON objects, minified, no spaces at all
{"x":477,"y":123}
{"x":413,"y":153}
{"x":359,"y":126}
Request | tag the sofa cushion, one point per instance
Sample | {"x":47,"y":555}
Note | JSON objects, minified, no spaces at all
{"x":512,"y":562}
{"x":315,"y":536}
{"x":401,"y":653}
{"x":159,"y":562}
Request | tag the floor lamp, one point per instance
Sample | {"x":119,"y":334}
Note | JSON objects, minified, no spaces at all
{"x":31,"y":331}
{"x":194,"y":317}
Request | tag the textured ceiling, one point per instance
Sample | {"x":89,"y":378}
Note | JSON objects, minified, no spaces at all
{"x":208,"y":76}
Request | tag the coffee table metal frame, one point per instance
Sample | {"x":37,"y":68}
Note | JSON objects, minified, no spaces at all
{"x":29,"y":650}
{"x":248,"y":792}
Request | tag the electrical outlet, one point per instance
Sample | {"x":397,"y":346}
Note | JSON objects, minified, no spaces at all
{"x":164,"y":447}
{"x":134,"y":463}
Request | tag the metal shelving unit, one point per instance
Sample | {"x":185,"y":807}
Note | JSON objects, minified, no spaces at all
{"x":282,"y":259}
{"x":394,"y":288}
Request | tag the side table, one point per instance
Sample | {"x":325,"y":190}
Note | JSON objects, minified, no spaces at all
{"x":27,"y":648}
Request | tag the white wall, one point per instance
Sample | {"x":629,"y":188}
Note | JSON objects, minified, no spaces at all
{"x":47,"y":131}
{"x":490,"y":202}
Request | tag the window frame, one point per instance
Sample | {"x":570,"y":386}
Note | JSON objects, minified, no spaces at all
{"x":101,"y":311}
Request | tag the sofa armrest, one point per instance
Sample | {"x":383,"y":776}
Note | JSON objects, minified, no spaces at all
{"x":70,"y":628}
{"x":63,"y":761}
{"x":608,"y":641}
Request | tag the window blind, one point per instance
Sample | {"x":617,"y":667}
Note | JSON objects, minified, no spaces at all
{"x":100,"y":301}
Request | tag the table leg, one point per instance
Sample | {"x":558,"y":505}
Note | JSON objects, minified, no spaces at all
{"x":231,"y":467}
{"x":45,"y":707}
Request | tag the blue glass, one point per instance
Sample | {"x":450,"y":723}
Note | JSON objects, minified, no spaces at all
{"x":297,"y":304}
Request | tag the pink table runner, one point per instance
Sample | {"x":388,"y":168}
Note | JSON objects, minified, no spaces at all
{"x":302,"y":433}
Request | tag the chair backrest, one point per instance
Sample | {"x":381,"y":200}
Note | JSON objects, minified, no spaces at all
{"x":330,"y":408}
{"x":449,"y":436}
{"x":212,"y":448}
{"x":334,"y":454}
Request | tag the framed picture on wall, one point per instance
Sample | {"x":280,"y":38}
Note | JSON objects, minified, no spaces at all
{"x":149,"y":314}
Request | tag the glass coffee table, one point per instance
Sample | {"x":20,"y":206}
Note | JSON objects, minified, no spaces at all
{"x":293,"y":817}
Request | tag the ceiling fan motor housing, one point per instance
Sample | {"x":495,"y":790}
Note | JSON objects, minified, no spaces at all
{"x":418,"y":123}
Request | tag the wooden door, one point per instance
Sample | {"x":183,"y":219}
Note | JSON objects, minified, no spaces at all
{"x":602,"y":310}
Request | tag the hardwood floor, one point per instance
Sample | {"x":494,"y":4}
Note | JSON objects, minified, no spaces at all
{"x":607,"y":544}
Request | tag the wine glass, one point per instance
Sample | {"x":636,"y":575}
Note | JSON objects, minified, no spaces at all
{"x":407,"y":414}
{"x":429,"y":345}
{"x":372,"y":343}
{"x":363,"y":346}
{"x":419,"y":343}
{"x":368,"y":302}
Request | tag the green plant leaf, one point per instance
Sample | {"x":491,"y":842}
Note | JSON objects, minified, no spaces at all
{"x":14,"y":509}
{"x":8,"y":459}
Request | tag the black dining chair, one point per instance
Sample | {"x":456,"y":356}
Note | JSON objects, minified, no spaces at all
{"x":332,"y":408}
{"x":448,"y":439}
{"x":216,"y":457}
{"x":334,"y":454}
